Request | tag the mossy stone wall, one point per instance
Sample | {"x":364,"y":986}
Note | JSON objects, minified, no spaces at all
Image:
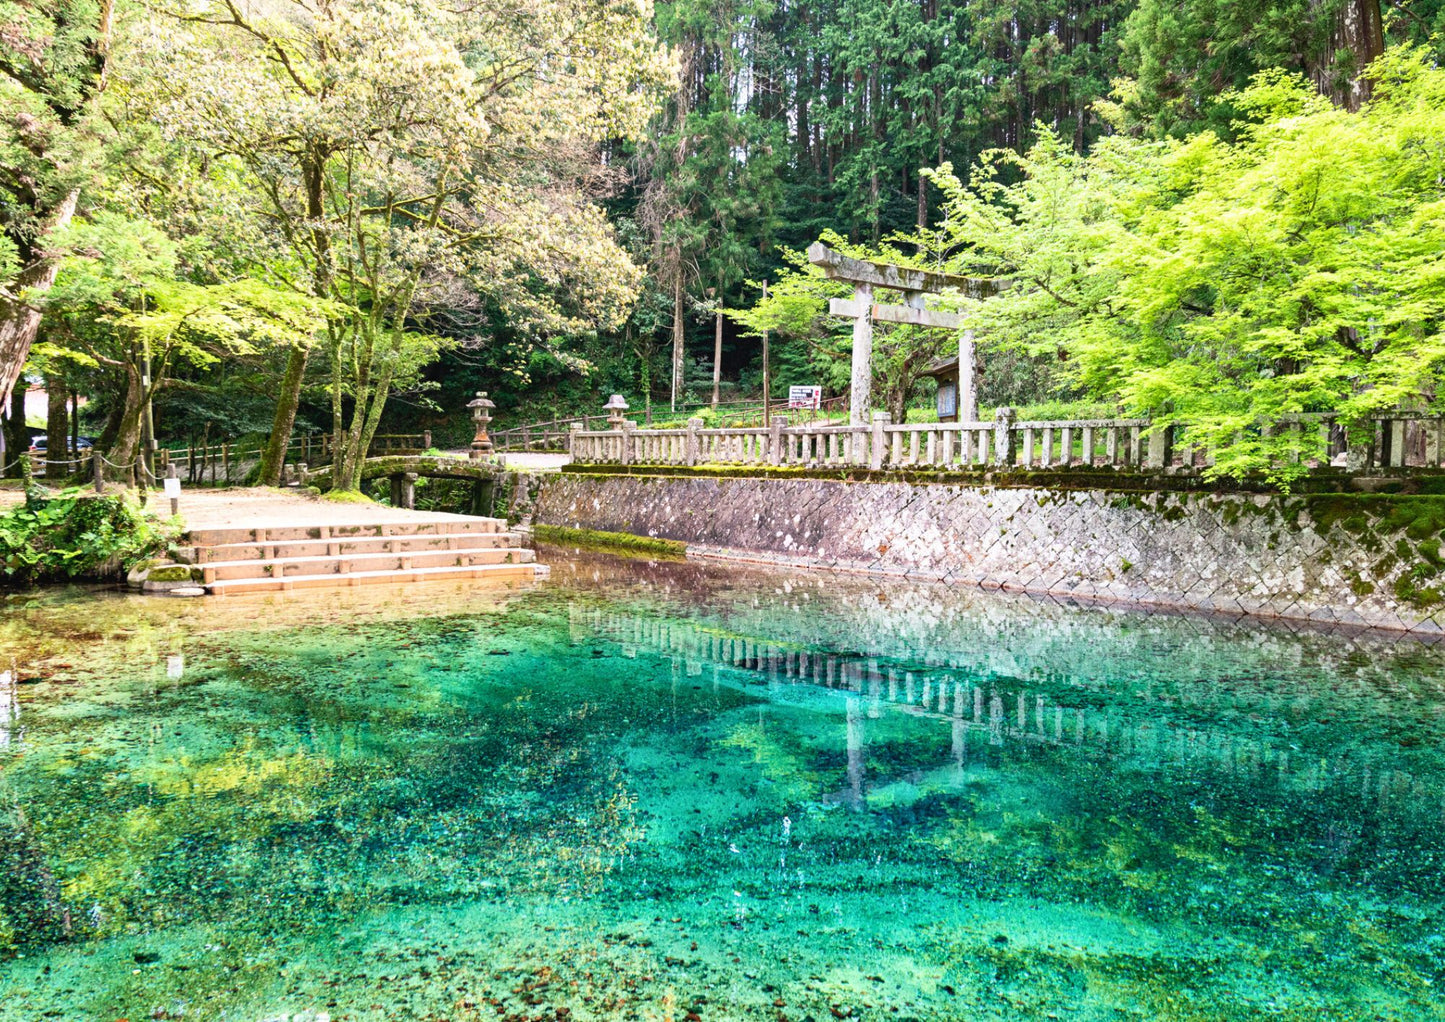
{"x":1348,"y":559}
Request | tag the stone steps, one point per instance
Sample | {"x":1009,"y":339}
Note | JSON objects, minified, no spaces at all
{"x":344,"y":564}
{"x":492,"y":572}
{"x":283,"y":557}
{"x":354,"y":546}
{"x":294,"y":533}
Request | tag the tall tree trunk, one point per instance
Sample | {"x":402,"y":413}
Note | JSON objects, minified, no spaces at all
{"x":284,"y":421}
{"x":273,"y":459}
{"x":678,"y":337}
{"x":127,"y":440}
{"x":16,"y":442}
{"x":20,"y":318}
{"x":57,"y":429}
{"x":1360,"y":32}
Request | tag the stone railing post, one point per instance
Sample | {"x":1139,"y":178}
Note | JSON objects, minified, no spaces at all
{"x":775,"y":439}
{"x":574,"y":442}
{"x":694,"y":442}
{"x":878,"y":440}
{"x":1161,"y":448}
{"x":627,"y":441}
{"x":1005,"y":451}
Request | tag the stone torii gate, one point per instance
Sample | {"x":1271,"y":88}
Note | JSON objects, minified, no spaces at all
{"x":865,"y":275}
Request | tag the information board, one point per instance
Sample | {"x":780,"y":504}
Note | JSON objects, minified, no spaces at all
{"x":805,"y":397}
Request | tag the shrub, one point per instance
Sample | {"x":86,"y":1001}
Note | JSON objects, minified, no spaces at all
{"x":74,"y":534}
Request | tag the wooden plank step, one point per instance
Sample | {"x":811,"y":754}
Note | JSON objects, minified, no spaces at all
{"x":355,"y":546}
{"x":280,"y":567}
{"x":293,"y":533}
{"x":491,"y":572}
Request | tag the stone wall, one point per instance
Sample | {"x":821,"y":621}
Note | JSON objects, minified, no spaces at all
{"x":1360,"y":560}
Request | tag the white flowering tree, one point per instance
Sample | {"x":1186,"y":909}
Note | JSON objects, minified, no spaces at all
{"x":402,"y":152}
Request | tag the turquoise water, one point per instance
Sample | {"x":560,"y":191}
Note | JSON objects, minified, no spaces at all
{"x":670,"y":791}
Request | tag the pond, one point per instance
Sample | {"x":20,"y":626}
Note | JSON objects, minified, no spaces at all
{"x":669,"y":790}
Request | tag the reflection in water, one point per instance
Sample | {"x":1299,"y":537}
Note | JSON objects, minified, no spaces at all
{"x":659,"y":790}
{"x":1117,"y":730}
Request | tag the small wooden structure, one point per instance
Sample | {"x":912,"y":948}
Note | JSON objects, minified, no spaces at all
{"x":865,"y":275}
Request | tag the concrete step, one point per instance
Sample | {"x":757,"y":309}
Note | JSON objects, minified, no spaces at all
{"x":354,"y":546}
{"x":491,"y":572}
{"x":335,"y":564}
{"x":295,"y":533}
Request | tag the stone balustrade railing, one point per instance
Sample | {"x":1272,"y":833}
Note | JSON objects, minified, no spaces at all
{"x":1400,"y":440}
{"x":880,"y":445}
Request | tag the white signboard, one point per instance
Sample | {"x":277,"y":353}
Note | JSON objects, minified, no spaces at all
{"x":173,"y":488}
{"x":805,"y":397}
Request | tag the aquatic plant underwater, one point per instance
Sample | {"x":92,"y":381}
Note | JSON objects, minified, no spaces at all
{"x":661,"y":790}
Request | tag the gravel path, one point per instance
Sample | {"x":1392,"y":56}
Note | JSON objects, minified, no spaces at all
{"x":263,"y":507}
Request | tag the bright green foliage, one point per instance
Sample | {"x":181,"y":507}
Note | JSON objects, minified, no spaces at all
{"x":75,"y":533}
{"x":1228,"y":285}
{"x":408,"y":158}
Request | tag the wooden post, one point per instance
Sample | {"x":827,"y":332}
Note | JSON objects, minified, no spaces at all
{"x":226,"y":463}
{"x":98,"y":463}
{"x":767,"y":373}
{"x":861,"y":382}
{"x":717,"y":356}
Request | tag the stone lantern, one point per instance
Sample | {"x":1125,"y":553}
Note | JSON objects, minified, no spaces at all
{"x":481,"y":414}
{"x":615,"y":407}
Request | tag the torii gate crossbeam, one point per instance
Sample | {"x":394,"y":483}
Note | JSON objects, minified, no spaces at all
{"x":865,"y":275}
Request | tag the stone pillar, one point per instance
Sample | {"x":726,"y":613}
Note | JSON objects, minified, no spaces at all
{"x":775,"y":439}
{"x":694,"y":445}
{"x":1005,"y":451}
{"x":879,"y":438}
{"x":574,"y":447}
{"x":627,"y":441}
{"x":407,"y":486}
{"x":967,"y":384}
{"x":862,"y":378}
{"x":1161,"y":448}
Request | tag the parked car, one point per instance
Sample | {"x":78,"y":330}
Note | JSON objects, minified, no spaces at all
{"x":85,"y":443}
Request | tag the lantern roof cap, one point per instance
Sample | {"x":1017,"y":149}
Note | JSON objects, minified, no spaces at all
{"x":616,"y":403}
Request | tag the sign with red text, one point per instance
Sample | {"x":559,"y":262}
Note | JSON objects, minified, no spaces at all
{"x":805,"y":397}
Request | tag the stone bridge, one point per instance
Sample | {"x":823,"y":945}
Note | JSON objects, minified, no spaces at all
{"x":404,"y":469}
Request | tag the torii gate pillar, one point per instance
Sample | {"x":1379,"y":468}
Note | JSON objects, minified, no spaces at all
{"x":861,"y":381}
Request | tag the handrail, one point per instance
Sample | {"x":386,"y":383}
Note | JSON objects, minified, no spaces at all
{"x":1400,"y":440}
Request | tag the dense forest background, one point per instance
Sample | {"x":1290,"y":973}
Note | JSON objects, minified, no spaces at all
{"x":788,"y":119}
{"x":796,"y":117}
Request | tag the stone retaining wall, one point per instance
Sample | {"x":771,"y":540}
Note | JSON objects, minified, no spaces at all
{"x":1338,"y":559}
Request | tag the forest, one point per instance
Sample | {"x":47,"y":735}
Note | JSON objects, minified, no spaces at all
{"x":265,"y":218}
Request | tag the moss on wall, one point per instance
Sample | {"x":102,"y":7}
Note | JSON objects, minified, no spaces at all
{"x":617,"y":541}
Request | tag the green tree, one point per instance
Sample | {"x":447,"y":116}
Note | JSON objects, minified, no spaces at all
{"x":410,"y":155}
{"x":54,"y":59}
{"x":1229,"y":285}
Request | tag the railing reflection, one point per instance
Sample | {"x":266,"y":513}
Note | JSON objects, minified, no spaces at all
{"x":1140,"y":728}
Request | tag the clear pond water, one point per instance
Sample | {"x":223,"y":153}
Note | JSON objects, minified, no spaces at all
{"x":672,"y":791}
